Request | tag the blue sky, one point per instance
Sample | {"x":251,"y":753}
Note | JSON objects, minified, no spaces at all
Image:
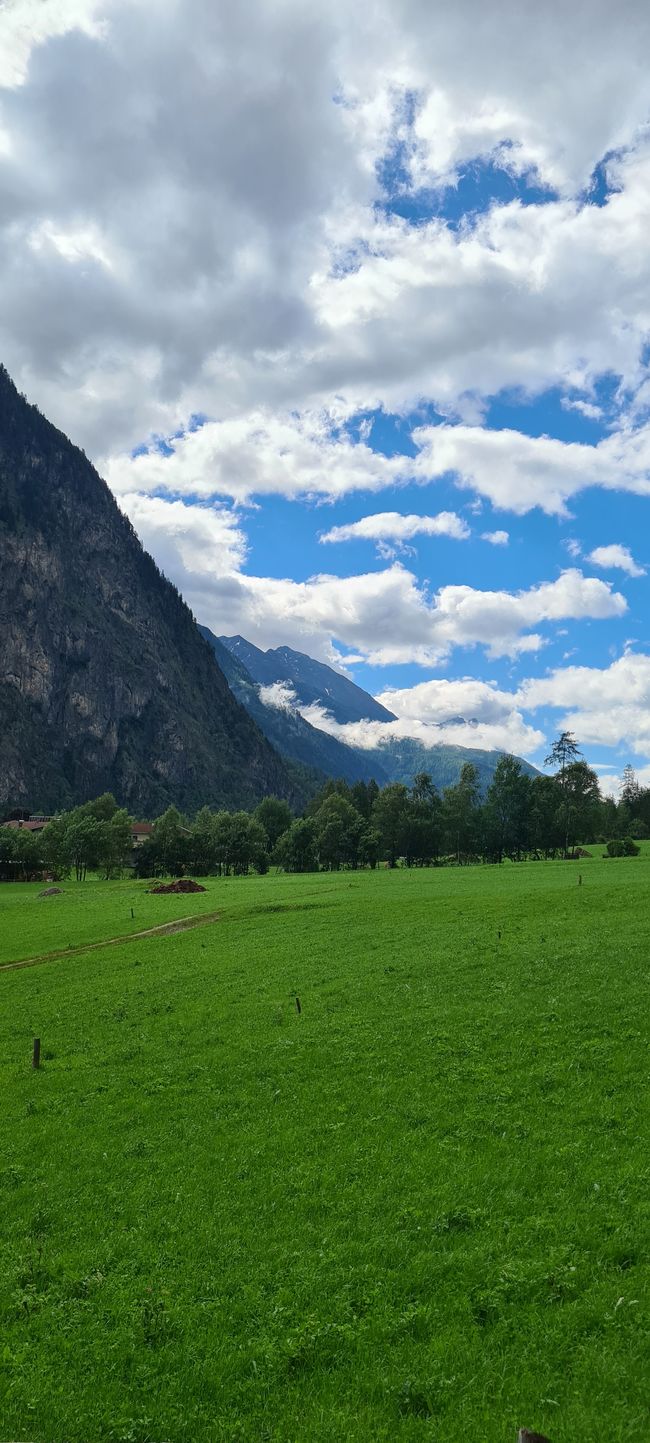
{"x":353,"y":313}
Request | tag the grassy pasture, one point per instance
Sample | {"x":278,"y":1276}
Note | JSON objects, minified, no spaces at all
{"x":419,"y":1210}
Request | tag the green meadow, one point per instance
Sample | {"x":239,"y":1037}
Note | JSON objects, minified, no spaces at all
{"x":416,"y":1209}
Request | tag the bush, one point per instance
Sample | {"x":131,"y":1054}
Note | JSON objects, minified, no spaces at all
{"x":622,"y":847}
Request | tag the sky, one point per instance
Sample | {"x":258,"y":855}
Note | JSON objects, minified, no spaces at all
{"x":350,"y":305}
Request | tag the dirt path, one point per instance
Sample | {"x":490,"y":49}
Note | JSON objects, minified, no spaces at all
{"x":182,"y":924}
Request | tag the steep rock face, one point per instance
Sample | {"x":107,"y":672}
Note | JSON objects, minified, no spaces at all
{"x":105,"y":681}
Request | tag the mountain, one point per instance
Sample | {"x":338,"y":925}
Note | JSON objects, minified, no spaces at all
{"x":288,"y":731}
{"x":105,"y":680}
{"x":313,"y":682}
{"x":401,"y":758}
{"x":397,"y":759}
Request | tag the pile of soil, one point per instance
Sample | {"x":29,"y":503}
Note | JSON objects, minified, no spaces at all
{"x":51,"y":892}
{"x":184,"y":884}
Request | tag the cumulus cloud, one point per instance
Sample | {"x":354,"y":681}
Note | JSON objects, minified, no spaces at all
{"x":199,"y":541}
{"x":441,"y":701}
{"x":563,"y":285}
{"x":385,"y":616}
{"x":607,"y":706}
{"x":260,"y":454}
{"x":496,"y":538}
{"x":613,"y":710}
{"x":311,"y":454}
{"x":616,"y":557}
{"x":393,"y":526}
{"x":518,"y":472}
{"x":586,"y":408}
{"x":193,"y":220}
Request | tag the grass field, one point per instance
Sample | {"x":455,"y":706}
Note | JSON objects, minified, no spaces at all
{"x":419,"y":1210}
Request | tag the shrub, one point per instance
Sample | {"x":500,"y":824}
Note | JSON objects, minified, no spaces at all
{"x":622,"y":847}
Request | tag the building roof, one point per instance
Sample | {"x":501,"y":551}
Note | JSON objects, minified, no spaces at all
{"x":142,"y":829}
{"x":35,"y":824}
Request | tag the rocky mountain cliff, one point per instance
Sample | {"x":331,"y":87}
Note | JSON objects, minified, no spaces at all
{"x":105,"y":680}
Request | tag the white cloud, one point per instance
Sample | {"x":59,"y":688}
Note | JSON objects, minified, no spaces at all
{"x":265,"y":453}
{"x":223,"y":160}
{"x":607,"y":706}
{"x":510,"y":734}
{"x":393,"y":526}
{"x":518,"y":472}
{"x":26,"y":24}
{"x":257,"y":455}
{"x":280,"y":695}
{"x":586,"y":408}
{"x":385,"y":616}
{"x":441,"y":700}
{"x":616,"y":557}
{"x":195,"y":541}
{"x":496,"y":538}
{"x":562,"y":286}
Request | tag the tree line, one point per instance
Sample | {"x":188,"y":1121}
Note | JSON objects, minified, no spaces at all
{"x":93,"y":837}
{"x":518,"y":817}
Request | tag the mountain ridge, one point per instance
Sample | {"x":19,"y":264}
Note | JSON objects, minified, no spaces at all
{"x":393,"y":759}
{"x":288,"y":731}
{"x":105,"y":680}
{"x":314,"y":682}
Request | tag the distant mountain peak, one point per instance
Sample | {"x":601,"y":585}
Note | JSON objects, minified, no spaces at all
{"x":314,"y":682}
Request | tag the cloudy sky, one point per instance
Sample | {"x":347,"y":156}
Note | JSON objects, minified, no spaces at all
{"x":351,"y":306}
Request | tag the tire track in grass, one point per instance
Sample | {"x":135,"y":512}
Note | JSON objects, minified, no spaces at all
{"x":165,"y":929}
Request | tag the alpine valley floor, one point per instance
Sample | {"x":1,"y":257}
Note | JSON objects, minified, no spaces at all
{"x":418,"y":1209}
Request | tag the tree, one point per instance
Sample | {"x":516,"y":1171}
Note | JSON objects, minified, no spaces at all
{"x":389,"y":815}
{"x":115,"y":843}
{"x":55,"y":847}
{"x":422,"y":827}
{"x":563,"y":751}
{"x":507,"y":806}
{"x":247,"y":844}
{"x":630,"y":789}
{"x":460,"y":812}
{"x":275,"y":816}
{"x":26,"y":854}
{"x":103,"y":808}
{"x":423,"y":790}
{"x":222,"y":831}
{"x":84,"y":841}
{"x":545,"y":831}
{"x":296,"y":849}
{"x":201,"y":848}
{"x":7,"y":853}
{"x":338,"y":832}
{"x":170,"y":842}
{"x":580,"y":805}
